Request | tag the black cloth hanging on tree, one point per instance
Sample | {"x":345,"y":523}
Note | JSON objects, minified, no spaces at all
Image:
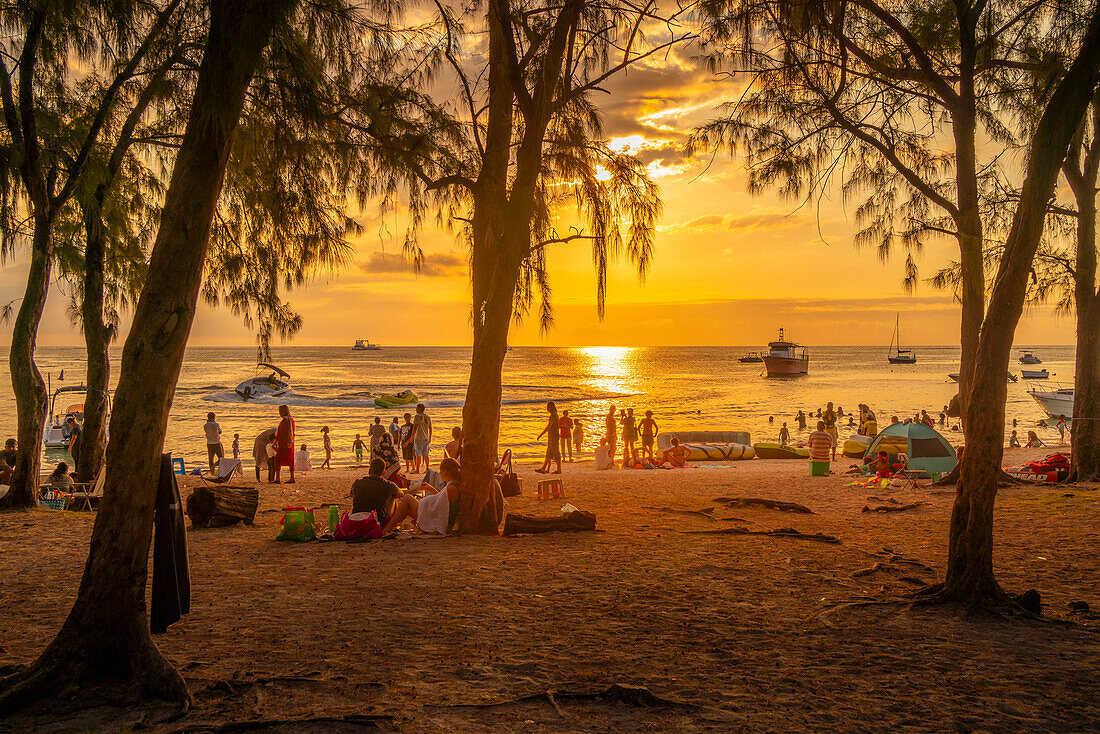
{"x":171,"y":597}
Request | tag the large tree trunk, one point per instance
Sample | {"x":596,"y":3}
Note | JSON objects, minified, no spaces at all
{"x":105,"y":642}
{"x":31,"y":401}
{"x":97,"y":339}
{"x":970,"y":578}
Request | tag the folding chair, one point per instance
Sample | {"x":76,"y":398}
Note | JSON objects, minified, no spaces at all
{"x":226,"y":469}
{"x":909,"y":476}
{"x":85,"y":492}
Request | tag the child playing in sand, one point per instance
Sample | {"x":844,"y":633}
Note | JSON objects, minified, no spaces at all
{"x":302,"y":461}
{"x":359,"y":447}
{"x":236,"y":445}
{"x":1014,"y":441}
{"x":328,"y":449}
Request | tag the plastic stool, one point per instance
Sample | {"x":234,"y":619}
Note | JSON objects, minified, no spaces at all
{"x":178,"y":467}
{"x":549,"y":489}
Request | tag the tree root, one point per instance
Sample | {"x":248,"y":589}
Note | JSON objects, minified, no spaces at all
{"x":765,"y":503}
{"x":777,"y":533}
{"x":637,"y":696}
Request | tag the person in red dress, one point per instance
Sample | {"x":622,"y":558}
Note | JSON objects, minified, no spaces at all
{"x":284,"y":444}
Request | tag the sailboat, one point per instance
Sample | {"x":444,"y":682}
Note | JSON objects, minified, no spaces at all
{"x":899,"y":355}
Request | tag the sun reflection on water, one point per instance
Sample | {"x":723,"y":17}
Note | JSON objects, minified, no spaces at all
{"x":611,"y":369}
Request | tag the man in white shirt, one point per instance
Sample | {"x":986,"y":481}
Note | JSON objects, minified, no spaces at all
{"x":422,"y":438}
{"x":213,"y":440}
{"x":395,"y":434}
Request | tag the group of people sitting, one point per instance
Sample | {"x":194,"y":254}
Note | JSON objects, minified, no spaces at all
{"x":436,"y":512}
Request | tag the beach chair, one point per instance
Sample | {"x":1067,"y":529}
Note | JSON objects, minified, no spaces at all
{"x":85,"y":492}
{"x":908,"y":476}
{"x":226,"y":469}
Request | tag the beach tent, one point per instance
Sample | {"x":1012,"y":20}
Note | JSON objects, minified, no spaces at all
{"x":928,"y":451}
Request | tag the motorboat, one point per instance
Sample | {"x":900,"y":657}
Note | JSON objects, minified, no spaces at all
{"x":361,"y":345}
{"x":897,"y":355}
{"x":1029,"y":358}
{"x":751,"y":357}
{"x":1009,"y":377}
{"x":56,"y":432}
{"x":1035,"y":374}
{"x":1055,"y":403}
{"x":784,"y":358}
{"x":269,"y":385}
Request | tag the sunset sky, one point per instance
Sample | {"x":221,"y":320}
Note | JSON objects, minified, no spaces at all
{"x":729,"y":268}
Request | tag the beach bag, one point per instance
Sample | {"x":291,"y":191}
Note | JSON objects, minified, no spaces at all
{"x":509,"y":481}
{"x":361,"y":525}
{"x":298,"y":524}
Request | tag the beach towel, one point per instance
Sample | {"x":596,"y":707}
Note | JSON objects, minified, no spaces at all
{"x":356,"y":526}
{"x":433,"y":514}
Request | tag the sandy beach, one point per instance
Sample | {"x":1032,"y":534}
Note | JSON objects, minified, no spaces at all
{"x":725,"y":632}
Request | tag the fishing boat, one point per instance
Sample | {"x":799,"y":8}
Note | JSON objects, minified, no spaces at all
{"x":784,"y":358}
{"x":1029,"y":358}
{"x":265,"y":385}
{"x":751,"y":357}
{"x":897,"y":355}
{"x":1035,"y":374}
{"x":362,"y":345}
{"x":56,"y":432}
{"x":1055,"y":403}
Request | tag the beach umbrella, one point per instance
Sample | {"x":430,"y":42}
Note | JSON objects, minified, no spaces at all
{"x":928,"y":451}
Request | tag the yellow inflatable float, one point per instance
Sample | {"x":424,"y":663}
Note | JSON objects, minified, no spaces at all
{"x":405,"y":397}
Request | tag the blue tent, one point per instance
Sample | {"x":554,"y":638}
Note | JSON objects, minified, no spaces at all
{"x":928,"y":451}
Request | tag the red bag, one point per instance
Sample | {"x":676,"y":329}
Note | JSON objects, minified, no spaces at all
{"x":360,"y":525}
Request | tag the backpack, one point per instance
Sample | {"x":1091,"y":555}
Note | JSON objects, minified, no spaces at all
{"x":509,"y":481}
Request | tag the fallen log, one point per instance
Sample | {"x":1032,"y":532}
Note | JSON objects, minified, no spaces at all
{"x":891,"y":508}
{"x":221,"y":505}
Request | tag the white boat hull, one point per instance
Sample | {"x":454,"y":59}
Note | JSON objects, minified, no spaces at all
{"x":261,"y":388}
{"x":1054,"y":402}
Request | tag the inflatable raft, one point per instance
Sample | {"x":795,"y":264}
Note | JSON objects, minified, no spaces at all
{"x":856,"y":446}
{"x":779,"y":451}
{"x":719,"y":451}
{"x":405,"y":397}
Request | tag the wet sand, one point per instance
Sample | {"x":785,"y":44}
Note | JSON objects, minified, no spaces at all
{"x":727,"y":632}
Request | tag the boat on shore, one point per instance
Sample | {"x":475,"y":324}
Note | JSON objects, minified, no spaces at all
{"x":897,"y":355}
{"x":1055,"y":403}
{"x":1029,"y":358}
{"x":362,"y":345}
{"x":750,"y":357}
{"x":784,"y":358}
{"x":265,"y":386}
{"x":1034,"y":374}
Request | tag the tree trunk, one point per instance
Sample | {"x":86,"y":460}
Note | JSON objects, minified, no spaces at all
{"x":105,"y":640}
{"x":970,"y":578}
{"x":31,"y":401}
{"x":97,"y":340}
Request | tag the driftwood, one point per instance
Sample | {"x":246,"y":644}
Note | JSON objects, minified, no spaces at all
{"x":220,"y":505}
{"x":767,"y":504}
{"x":892,"y":508}
{"x":575,"y":521}
{"x":637,"y":696}
{"x":777,"y":533}
{"x":707,"y":512}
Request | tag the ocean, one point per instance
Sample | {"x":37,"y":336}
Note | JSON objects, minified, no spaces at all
{"x":687,"y":388}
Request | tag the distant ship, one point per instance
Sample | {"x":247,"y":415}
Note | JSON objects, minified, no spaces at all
{"x":751,"y":357}
{"x":784,"y":360}
{"x":1029,"y":358}
{"x":365,"y":346}
{"x":899,"y":356}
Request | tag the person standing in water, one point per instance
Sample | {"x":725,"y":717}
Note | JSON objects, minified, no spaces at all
{"x":610,"y":433}
{"x":784,"y":435}
{"x":566,"y":425}
{"x":553,"y":434}
{"x":649,"y":431}
{"x":829,"y":419}
{"x":630,"y":437}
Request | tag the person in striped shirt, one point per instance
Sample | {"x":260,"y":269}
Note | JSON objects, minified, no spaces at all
{"x":820,"y":443}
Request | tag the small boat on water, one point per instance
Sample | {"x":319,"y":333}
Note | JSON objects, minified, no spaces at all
{"x":897,"y":355}
{"x":265,"y":386}
{"x":1055,"y":403}
{"x":751,"y":357}
{"x":405,"y":397}
{"x":1029,"y":358}
{"x":1035,"y":374}
{"x":784,"y":358}
{"x":56,"y":432}
{"x":1008,"y":376}
{"x":362,"y":345}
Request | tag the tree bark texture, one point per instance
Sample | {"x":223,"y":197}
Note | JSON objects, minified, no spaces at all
{"x":105,"y":640}
{"x":31,"y":401}
{"x":970,"y":577}
{"x":97,"y":340}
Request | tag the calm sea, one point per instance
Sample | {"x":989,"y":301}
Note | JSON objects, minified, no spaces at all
{"x":686,"y":388}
